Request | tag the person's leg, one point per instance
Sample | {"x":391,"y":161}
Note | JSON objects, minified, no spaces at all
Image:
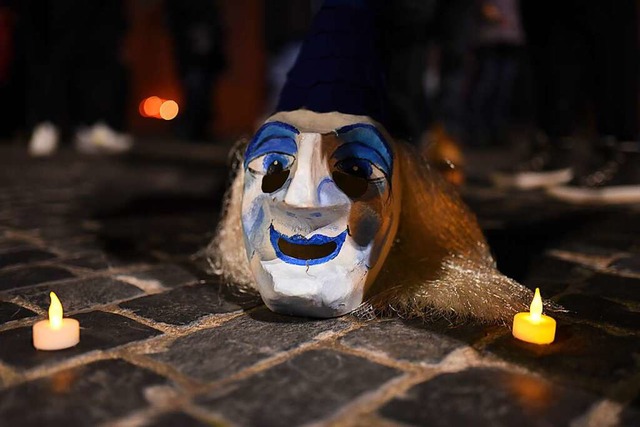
{"x":99,"y":80}
{"x":506,"y":72}
{"x":480,"y":99}
{"x":34,"y":28}
{"x":407,"y":103}
{"x":615,"y":40}
{"x":557,"y":43}
{"x":453,"y":20}
{"x":537,"y":34}
{"x":613,"y":174}
{"x":49,"y":45}
{"x":567,"y":65}
{"x":197,"y":35}
{"x":99,"y":75}
{"x":404,"y":27}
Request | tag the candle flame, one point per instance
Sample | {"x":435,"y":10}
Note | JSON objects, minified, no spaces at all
{"x":536,"y":306}
{"x":55,"y":311}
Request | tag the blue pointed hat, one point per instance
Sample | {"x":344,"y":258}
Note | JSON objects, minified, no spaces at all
{"x":338,"y":67}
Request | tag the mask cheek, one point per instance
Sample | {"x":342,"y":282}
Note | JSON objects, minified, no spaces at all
{"x":370,"y":224}
{"x":252,"y":219}
{"x":364,"y":224}
{"x":255,"y":222}
{"x":251,"y":187}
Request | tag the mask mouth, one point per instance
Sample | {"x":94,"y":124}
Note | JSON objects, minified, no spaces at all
{"x":299,"y":250}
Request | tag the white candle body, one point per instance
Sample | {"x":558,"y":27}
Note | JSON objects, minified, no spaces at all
{"x":47,"y":338}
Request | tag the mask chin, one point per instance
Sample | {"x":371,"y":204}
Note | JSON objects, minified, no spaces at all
{"x":327,"y":290}
{"x":296,"y":306}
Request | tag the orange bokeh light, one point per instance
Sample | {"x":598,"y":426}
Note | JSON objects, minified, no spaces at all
{"x":159,"y":108}
{"x":169,"y":110}
{"x":150,"y":107}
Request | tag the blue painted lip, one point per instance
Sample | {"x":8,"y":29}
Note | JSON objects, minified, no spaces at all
{"x":299,"y":250}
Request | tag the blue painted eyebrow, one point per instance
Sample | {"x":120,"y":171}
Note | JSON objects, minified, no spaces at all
{"x":361,"y":136}
{"x":272,"y":137}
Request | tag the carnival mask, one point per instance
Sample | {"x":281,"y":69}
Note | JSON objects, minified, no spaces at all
{"x":320,"y":209}
{"x":317,"y":199}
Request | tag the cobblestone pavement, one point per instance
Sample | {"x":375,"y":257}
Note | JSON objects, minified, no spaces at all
{"x":165,"y":344}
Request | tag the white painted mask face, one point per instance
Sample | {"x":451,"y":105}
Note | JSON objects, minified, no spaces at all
{"x":319,"y":211}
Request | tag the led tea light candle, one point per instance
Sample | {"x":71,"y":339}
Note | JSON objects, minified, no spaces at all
{"x":56,"y":333}
{"x":534,"y":327}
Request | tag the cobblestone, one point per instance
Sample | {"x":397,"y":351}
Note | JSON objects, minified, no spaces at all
{"x":601,"y":243}
{"x":307,"y":388}
{"x":164,"y":343}
{"x":167,"y":276}
{"x":399,"y":341}
{"x":8,"y":245}
{"x":212,"y":354}
{"x":81,"y":294}
{"x":581,"y":355}
{"x":94,"y":261}
{"x":24,"y":256}
{"x":182,"y":306}
{"x":614,"y":287}
{"x":631,"y":416}
{"x":600,"y":310}
{"x":627,"y":264}
{"x":553,"y":276}
{"x":10,"y":312}
{"x":86,"y":395}
{"x":487,"y":397}
{"x":28,"y":276}
{"x":177,"y":419}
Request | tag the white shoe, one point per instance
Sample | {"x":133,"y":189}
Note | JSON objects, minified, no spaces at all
{"x":101,"y":139}
{"x":44,"y":140}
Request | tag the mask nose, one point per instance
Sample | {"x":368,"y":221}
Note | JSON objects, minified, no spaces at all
{"x":311,"y":185}
{"x":306,"y":220}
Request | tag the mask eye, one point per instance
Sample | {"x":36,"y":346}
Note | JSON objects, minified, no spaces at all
{"x":275,"y":168}
{"x":353,"y":175}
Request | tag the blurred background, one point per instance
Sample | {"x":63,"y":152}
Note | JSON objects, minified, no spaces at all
{"x":478,"y":73}
{"x":162,"y":48}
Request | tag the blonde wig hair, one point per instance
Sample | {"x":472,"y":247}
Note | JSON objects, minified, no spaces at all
{"x":439,"y":266}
